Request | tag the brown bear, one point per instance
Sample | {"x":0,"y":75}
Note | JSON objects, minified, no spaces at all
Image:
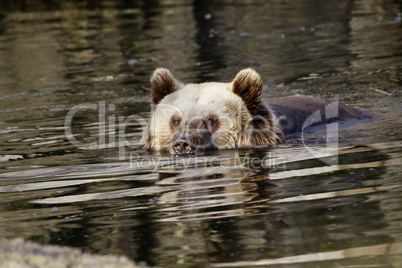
{"x":188,"y":118}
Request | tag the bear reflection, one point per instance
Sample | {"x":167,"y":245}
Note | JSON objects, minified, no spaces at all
{"x":215,"y":192}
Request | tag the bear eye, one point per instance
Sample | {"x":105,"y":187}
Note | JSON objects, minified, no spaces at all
{"x":175,"y":121}
{"x":212,"y":121}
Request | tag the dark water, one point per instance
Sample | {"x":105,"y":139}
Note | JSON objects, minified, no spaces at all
{"x":307,"y":203}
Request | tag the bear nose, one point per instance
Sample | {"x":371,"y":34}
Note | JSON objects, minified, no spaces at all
{"x":182,"y":147}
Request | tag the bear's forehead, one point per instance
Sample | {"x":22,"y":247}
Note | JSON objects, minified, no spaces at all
{"x":194,"y":100}
{"x":200,"y":95}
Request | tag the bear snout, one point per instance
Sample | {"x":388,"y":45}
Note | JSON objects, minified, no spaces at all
{"x":181,"y":146}
{"x":194,"y":140}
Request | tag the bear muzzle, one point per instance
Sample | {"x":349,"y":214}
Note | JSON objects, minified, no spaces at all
{"x":181,"y":146}
{"x":194,"y":138}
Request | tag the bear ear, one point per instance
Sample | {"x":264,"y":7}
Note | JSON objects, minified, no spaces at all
{"x":162,"y":83}
{"x":248,"y":85}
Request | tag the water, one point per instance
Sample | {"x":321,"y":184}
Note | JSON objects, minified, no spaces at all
{"x":303,"y":204}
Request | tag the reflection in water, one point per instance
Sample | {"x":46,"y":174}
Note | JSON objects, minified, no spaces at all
{"x":378,"y":250}
{"x":216,"y":193}
{"x":214,"y":204}
{"x":228,"y":208}
{"x":209,"y":39}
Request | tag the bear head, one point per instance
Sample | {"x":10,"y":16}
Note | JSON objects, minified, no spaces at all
{"x":188,"y":118}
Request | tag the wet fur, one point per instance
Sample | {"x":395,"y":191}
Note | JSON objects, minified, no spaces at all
{"x":186,"y":111}
{"x":293,"y":111}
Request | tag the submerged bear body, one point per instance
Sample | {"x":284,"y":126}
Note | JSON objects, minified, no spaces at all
{"x":210,"y":116}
